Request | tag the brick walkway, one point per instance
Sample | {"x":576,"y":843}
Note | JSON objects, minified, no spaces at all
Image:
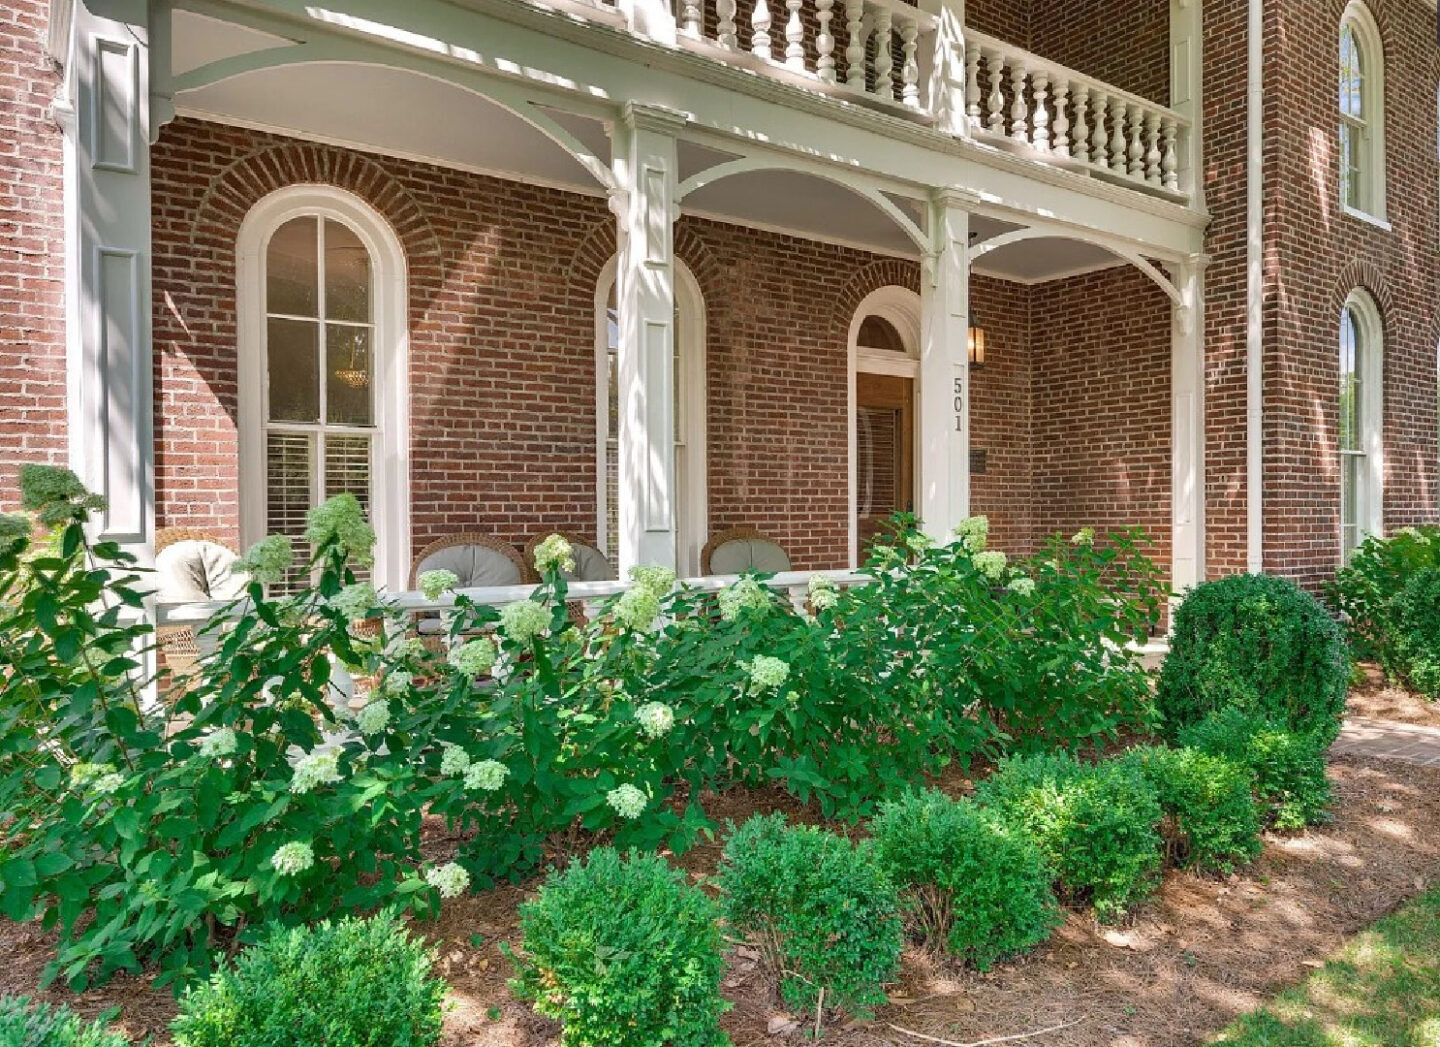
{"x":1390,"y":741}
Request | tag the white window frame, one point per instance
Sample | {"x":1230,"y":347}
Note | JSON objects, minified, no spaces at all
{"x":390,"y":449}
{"x":1370,"y":206}
{"x":1370,"y":365}
{"x":693,"y":385}
{"x":899,"y":307}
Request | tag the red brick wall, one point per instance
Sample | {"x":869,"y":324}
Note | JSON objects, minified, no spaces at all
{"x":1000,"y":413}
{"x":32,"y":250}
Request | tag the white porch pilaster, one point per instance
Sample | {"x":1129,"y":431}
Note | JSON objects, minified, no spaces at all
{"x":1187,"y":390}
{"x":948,"y":74}
{"x":106,"y":116}
{"x":1187,"y":53}
{"x":944,"y":462}
{"x":645,"y":169}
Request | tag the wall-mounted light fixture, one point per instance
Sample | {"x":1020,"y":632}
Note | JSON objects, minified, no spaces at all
{"x":976,"y":342}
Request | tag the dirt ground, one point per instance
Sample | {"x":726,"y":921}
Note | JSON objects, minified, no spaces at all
{"x":1377,"y":700}
{"x":1202,"y":951}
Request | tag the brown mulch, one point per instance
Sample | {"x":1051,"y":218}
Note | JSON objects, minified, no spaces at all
{"x":1203,"y":951}
{"x":1378,"y":700}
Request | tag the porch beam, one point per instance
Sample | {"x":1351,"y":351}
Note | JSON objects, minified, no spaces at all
{"x":944,"y":465}
{"x":645,"y":166}
{"x":1187,"y":386}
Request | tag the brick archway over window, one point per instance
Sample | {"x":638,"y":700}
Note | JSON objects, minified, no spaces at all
{"x":1368,"y":277}
{"x":1379,"y":10}
{"x":598,"y":247}
{"x":887,"y":272}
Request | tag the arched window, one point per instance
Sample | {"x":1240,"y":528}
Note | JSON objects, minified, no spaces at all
{"x":1361,"y":409}
{"x":1362,"y":113}
{"x":323,"y":387}
{"x":691,"y":504}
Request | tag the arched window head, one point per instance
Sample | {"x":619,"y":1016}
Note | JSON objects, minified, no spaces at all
{"x":1361,"y":418}
{"x":322,"y":302}
{"x":880,"y":334}
{"x":1362,"y":113}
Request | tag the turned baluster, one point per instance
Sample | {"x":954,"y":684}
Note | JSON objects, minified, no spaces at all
{"x":1019,"y":111}
{"x":824,"y":42}
{"x":884,"y":55}
{"x":972,"y":84}
{"x":726,"y":34}
{"x":855,"y":44}
{"x":1118,"y":145}
{"x":760,"y":30}
{"x":794,"y":37}
{"x":1040,"y":85}
{"x":1136,"y":152}
{"x":1170,"y":163}
{"x":691,"y":18}
{"x":1060,"y":140}
{"x":1100,"y":138}
{"x":1153,"y":155}
{"x":910,"y":66}
{"x":995,"y":102}
{"x":1081,"y":131}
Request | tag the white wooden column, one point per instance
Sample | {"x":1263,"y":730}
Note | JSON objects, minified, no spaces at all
{"x":645,"y":168}
{"x":1187,"y":392}
{"x":1186,"y":83}
{"x":106,"y":116}
{"x":944,"y":461}
{"x":946,"y":67}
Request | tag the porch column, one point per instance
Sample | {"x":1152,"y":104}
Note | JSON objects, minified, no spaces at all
{"x":1187,"y":391}
{"x":1186,"y":84}
{"x":944,"y":465}
{"x":106,"y":116}
{"x":645,"y":169}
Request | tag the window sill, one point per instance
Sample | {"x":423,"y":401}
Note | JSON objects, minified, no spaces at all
{"x":1367,"y":218}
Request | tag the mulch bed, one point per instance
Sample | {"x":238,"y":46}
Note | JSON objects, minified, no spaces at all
{"x":1201,"y":952}
{"x":1378,"y":700}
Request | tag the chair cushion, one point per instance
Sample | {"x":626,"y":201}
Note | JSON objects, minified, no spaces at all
{"x":748,"y":554}
{"x":194,"y":571}
{"x":590,"y":566}
{"x":476,"y":566}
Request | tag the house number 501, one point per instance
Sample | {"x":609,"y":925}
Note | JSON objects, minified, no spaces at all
{"x":959,"y":405}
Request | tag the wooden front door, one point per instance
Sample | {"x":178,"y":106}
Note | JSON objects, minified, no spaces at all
{"x":884,"y":452}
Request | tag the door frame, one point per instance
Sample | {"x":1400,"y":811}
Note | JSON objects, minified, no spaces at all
{"x":900,"y":307}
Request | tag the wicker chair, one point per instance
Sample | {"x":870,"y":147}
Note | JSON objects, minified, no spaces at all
{"x":477,"y":560}
{"x":590,"y":563}
{"x":742,"y":549}
{"x":196,"y":580}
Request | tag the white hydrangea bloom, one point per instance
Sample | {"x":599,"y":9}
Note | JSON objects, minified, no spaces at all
{"x":740,"y":595}
{"x":627,"y":801}
{"x":354,"y":602}
{"x":398,"y":682}
{"x":991,"y":563}
{"x":554,"y":554}
{"x":315,"y":769}
{"x":435,"y":584}
{"x":268,"y":560}
{"x":454,"y":761}
{"x":487,"y":775}
{"x":408,"y":647}
{"x":98,"y":778}
{"x":824,"y":594}
{"x":374,"y":717}
{"x":293,"y":858}
{"x":218,"y":743}
{"x":450,"y":880}
{"x":474,"y":658}
{"x":107,"y":784}
{"x":637,"y":609}
{"x":1023,"y":586}
{"x":974,"y":533}
{"x":524,"y":621}
{"x":656,"y":719}
{"x":767,"y":673}
{"x":1084,"y":537}
{"x":658,"y":580}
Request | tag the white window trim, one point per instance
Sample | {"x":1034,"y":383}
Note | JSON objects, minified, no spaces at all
{"x":390,"y":463}
{"x":1362,"y":23}
{"x":691,"y":303}
{"x":900,"y":307}
{"x":1371,"y":352}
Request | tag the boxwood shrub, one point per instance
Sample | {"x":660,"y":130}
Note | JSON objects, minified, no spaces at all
{"x":1098,"y":825}
{"x":1287,"y":768}
{"x":1211,"y":818}
{"x":623,"y":950}
{"x":27,"y":1024}
{"x":1417,"y":628}
{"x":1365,"y":591}
{"x":822,"y":909}
{"x":356,"y":983}
{"x":1259,"y":644}
{"x":980,"y":890}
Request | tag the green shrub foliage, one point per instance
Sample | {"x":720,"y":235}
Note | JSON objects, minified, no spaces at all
{"x":1211,"y":819}
{"x":1098,"y":825}
{"x":1288,"y":769}
{"x":624,"y":951}
{"x":1417,"y":632}
{"x":356,"y":983}
{"x":979,"y":889}
{"x":26,"y":1024}
{"x":1365,"y":593}
{"x":1259,"y":644}
{"x":822,"y":909}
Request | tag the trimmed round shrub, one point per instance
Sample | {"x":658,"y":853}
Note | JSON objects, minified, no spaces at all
{"x":356,"y":983}
{"x":1417,"y":617}
{"x":26,"y":1024}
{"x":623,"y":950}
{"x":1287,"y":768}
{"x":981,"y":890}
{"x":1097,"y":825}
{"x":1259,"y":644}
{"x":822,"y":909}
{"x":1211,"y":819}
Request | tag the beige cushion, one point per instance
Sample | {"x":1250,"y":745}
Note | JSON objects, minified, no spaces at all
{"x":194,"y":571}
{"x":475,"y":565}
{"x":590,"y":566}
{"x":749,"y":554}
